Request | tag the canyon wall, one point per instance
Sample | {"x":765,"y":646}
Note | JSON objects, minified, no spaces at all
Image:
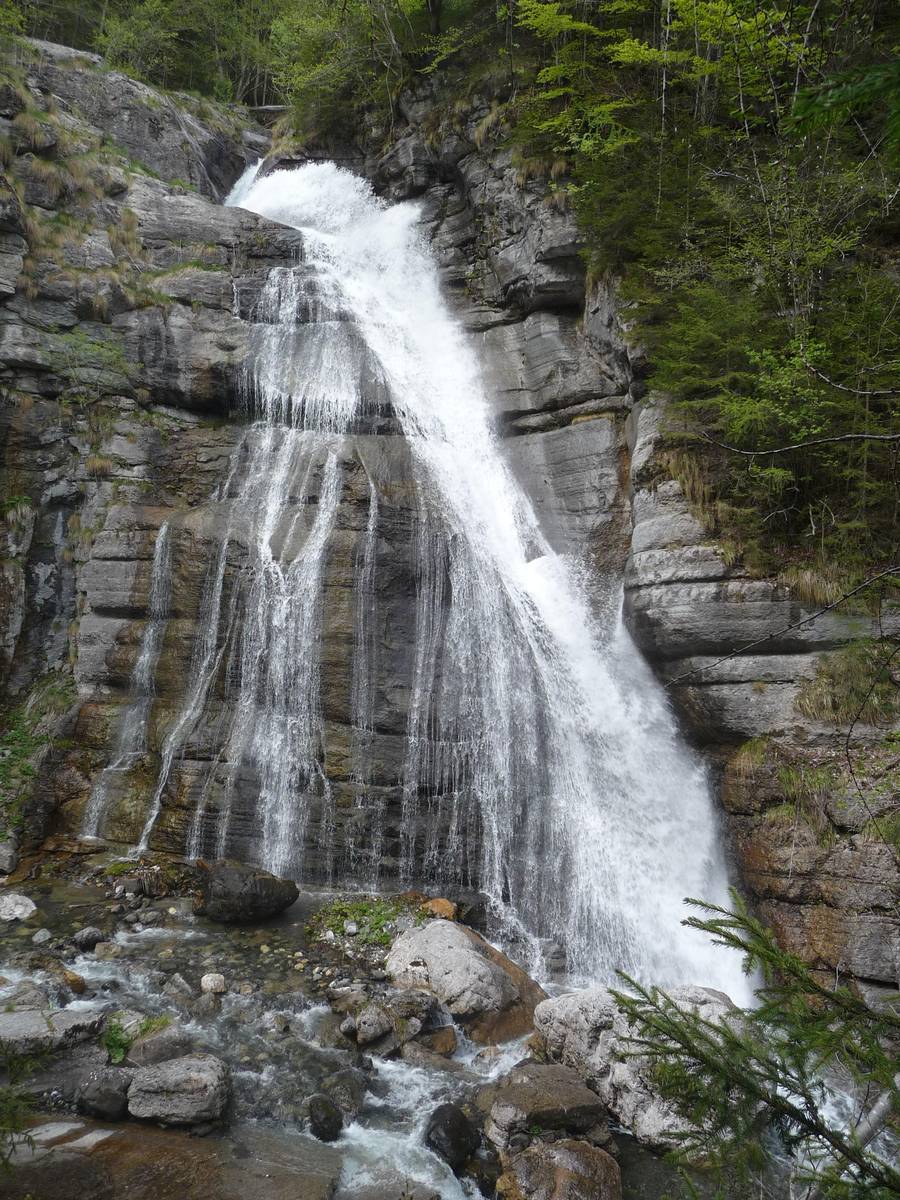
{"x":129,"y":307}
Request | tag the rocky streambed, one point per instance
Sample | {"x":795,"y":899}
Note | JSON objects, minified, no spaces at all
{"x":347,"y":1046}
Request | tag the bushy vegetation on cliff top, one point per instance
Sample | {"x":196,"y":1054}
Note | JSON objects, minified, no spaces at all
{"x":735,"y":163}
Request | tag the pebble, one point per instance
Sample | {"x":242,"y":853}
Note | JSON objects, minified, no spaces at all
{"x":328,"y":935}
{"x":213,"y":983}
{"x":42,"y":935}
{"x":351,"y":928}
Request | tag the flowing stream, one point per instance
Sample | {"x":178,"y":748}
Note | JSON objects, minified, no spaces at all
{"x":542,"y":762}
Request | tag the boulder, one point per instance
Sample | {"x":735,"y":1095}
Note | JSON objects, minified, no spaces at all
{"x":489,"y":994}
{"x":385,"y":1024}
{"x":234,"y":892}
{"x":587,"y":1032}
{"x":213,"y":983}
{"x":372,"y":1023}
{"x":160,"y":1045}
{"x":325,"y":1118}
{"x":16,"y":907}
{"x":452,"y":1136}
{"x":536,"y":1097}
{"x":439,"y":907}
{"x":31,"y":1031}
{"x":565,"y":1170}
{"x":104,"y":1094}
{"x":26,"y":994}
{"x":183,"y":1091}
{"x":87,"y":938}
{"x":74,"y":982}
{"x":347,"y":1088}
{"x":9,"y":851}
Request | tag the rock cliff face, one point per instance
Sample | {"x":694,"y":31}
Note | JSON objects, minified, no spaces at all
{"x":128,"y":310}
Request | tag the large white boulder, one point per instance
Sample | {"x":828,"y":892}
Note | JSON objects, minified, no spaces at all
{"x":487,"y":992}
{"x":183,"y":1091}
{"x":586,"y":1031}
{"x":16,"y":907}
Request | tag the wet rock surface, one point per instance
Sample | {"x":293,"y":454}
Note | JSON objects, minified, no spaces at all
{"x":492,"y":996}
{"x":565,"y":1170}
{"x":77,"y":1160}
{"x":452,"y":1135}
{"x":233,"y":891}
{"x":325,"y":1118}
{"x":586,"y":1032}
{"x":536,"y":1098}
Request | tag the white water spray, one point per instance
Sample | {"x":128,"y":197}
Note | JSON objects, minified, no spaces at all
{"x":542,"y":762}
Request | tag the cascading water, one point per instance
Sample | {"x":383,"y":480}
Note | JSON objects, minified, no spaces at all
{"x":542,"y":763}
{"x":131,"y":743}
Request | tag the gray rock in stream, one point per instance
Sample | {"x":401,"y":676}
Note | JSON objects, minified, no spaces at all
{"x":184,"y":1091}
{"x":481,"y":987}
{"x":233,"y":891}
{"x":31,"y":1031}
{"x":587,"y":1032}
{"x":87,"y":938}
{"x":325,"y":1118}
{"x":104,"y":1094}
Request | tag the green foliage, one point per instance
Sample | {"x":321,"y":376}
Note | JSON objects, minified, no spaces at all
{"x":853,"y":684}
{"x":93,"y":366}
{"x":144,"y":40}
{"x":154,"y":1024}
{"x":11,"y":21}
{"x":736,"y":171}
{"x":374,"y":916}
{"x":23,"y":736}
{"x":12,"y":507}
{"x":15,"y":1104}
{"x":750,"y":1086}
{"x":19,"y":742}
{"x":116,"y":869}
{"x":116,"y":1041}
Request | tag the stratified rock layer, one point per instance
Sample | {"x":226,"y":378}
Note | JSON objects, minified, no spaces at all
{"x":122,"y":355}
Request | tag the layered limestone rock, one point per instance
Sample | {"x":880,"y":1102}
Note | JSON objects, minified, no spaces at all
{"x":744,"y":663}
{"x":128,"y":306}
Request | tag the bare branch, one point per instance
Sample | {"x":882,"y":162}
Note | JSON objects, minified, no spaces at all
{"x":770,"y":637}
{"x":843,"y":437}
{"x":886,"y":392}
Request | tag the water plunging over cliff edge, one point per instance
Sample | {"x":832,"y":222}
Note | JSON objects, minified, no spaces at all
{"x":541,"y":762}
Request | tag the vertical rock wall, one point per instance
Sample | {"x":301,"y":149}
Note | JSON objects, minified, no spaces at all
{"x":127,"y":313}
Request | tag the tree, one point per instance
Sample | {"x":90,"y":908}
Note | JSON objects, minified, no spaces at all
{"x":757,"y":1088}
{"x":734,"y":163}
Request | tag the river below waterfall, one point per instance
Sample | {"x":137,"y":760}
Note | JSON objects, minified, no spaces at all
{"x":279,"y":1037}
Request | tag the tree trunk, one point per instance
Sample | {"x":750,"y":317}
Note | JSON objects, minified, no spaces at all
{"x":434,"y":15}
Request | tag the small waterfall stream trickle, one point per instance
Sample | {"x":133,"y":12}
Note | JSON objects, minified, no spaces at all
{"x":542,"y":764}
{"x":131,"y":742}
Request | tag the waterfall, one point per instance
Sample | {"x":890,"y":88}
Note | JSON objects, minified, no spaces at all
{"x":542,"y":763}
{"x":365,"y":666}
{"x":131,"y":742}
